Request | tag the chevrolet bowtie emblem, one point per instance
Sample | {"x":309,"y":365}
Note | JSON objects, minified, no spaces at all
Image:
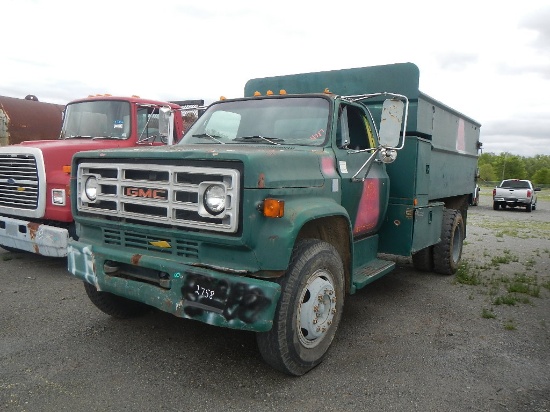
{"x":161,"y":243}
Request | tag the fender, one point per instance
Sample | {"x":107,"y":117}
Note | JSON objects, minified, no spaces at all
{"x":276,"y":237}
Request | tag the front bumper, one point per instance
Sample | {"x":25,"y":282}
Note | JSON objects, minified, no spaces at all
{"x":33,"y":237}
{"x":184,"y":290}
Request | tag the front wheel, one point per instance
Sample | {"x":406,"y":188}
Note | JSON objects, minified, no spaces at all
{"x":11,"y":249}
{"x":309,"y":309}
{"x":448,"y":251}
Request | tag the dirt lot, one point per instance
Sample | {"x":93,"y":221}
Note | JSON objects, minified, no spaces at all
{"x":411,"y":341}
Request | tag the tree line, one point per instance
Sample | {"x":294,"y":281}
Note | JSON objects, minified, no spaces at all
{"x":494,"y":168}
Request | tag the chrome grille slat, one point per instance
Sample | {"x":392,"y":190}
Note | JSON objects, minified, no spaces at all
{"x":172,"y":199}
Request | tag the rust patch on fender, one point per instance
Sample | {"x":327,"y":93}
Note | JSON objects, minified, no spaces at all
{"x":135,"y":259}
{"x":33,"y":228}
{"x":261,"y":181}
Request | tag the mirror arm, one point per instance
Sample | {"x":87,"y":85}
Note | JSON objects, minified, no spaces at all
{"x":367,"y":165}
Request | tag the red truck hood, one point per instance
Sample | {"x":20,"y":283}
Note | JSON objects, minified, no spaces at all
{"x":75,"y":145}
{"x":59,"y":153}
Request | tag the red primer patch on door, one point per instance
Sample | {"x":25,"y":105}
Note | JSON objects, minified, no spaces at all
{"x":369,"y":207}
{"x":461,"y":136}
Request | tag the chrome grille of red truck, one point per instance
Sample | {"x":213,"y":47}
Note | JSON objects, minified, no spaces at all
{"x":19,"y":182}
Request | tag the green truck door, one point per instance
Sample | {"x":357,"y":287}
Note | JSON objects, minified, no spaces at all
{"x":365,"y":198}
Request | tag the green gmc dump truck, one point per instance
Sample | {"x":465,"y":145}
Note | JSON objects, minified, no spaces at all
{"x":277,"y":205}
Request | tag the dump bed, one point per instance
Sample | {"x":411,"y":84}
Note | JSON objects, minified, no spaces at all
{"x":447,"y":169}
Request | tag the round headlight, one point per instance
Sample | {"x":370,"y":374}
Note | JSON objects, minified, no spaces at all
{"x":90,"y":188}
{"x":214,"y":199}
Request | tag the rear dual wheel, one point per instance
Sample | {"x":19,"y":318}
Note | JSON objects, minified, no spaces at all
{"x":448,"y":251}
{"x":444,"y":257}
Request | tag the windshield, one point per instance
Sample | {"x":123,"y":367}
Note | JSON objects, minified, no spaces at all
{"x":288,"y":120}
{"x":98,"y":118}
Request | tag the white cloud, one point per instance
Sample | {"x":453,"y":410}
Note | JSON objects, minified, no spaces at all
{"x":489,"y":60}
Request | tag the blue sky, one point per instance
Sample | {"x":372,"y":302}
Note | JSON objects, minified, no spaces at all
{"x":487,"y":59}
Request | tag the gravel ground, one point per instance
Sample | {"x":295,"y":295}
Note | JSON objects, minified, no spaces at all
{"x":410,"y":341}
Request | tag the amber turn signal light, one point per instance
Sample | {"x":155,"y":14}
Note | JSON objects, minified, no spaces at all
{"x":274,"y":208}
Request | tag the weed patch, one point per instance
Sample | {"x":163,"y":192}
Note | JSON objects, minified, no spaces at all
{"x":467,"y":275}
{"x":509,"y":325}
{"x":488,"y":314}
{"x":509,"y":300}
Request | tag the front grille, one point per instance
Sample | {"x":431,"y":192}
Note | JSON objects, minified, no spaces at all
{"x":19,"y":183}
{"x":160,"y":194}
{"x":166,"y":245}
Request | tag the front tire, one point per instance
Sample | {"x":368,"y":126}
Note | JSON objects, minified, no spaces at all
{"x":308,"y":311}
{"x":11,"y":249}
{"x":448,"y":251}
{"x":113,"y":305}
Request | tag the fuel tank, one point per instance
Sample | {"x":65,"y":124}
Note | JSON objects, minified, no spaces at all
{"x":28,"y":119}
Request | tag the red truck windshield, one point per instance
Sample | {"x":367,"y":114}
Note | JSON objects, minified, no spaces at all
{"x":98,"y":118}
{"x":272,"y":120}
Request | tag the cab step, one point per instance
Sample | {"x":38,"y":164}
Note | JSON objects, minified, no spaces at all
{"x":373,"y":270}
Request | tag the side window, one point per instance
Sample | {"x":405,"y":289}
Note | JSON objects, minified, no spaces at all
{"x":353,"y":131}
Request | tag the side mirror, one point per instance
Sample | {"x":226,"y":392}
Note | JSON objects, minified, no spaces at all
{"x":391,"y":123}
{"x":166,"y":124}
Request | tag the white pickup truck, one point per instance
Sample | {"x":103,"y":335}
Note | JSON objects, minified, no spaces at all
{"x":515,"y":192}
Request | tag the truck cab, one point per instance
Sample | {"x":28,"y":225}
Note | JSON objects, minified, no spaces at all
{"x":35,"y":212}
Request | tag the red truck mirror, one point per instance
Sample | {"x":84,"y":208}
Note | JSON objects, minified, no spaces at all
{"x":166,"y":124}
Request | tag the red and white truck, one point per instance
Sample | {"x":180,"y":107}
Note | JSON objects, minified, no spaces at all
{"x":35,"y":211}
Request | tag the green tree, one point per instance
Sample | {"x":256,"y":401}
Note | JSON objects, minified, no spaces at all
{"x":487,"y":173}
{"x":541,"y":177}
{"x":508,"y":166}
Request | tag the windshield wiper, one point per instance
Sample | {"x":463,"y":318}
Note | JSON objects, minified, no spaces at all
{"x":203,"y":135}
{"x":106,"y":137}
{"x":272,"y":140}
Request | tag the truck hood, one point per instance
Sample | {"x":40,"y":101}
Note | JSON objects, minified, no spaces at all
{"x":265,"y":166}
{"x":74,"y":145}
